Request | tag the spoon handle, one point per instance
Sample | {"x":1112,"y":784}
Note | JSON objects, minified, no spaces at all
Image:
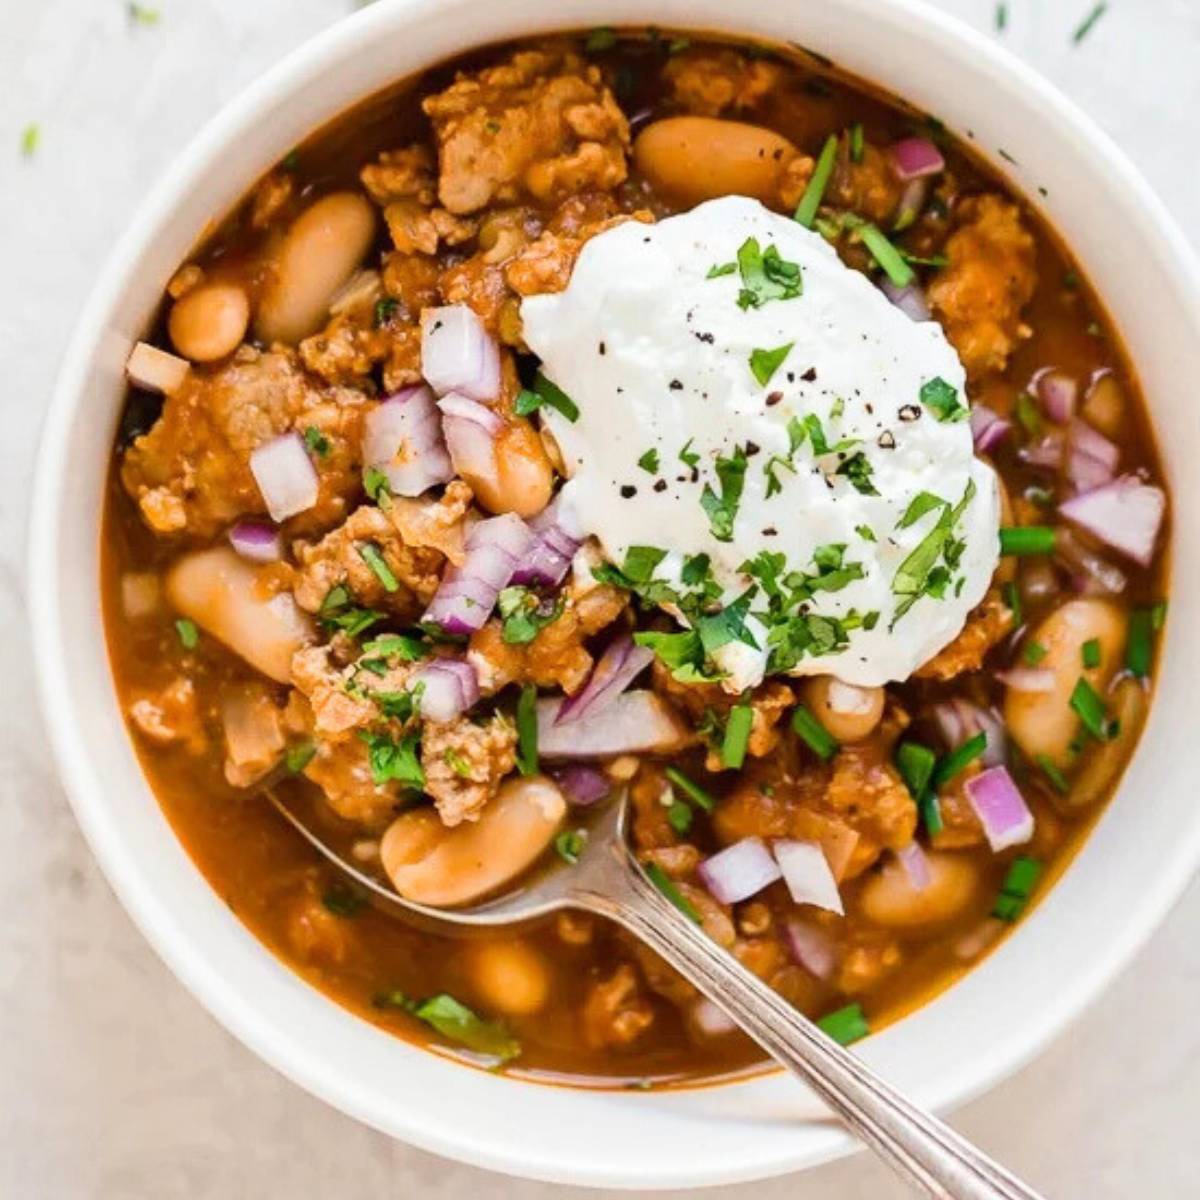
{"x":922,"y":1149}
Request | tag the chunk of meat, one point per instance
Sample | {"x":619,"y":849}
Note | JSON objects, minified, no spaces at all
{"x":405,"y":174}
{"x":991,"y":276}
{"x":985,"y":626}
{"x":866,"y":957}
{"x":960,"y":826}
{"x":314,"y":933}
{"x":545,"y":265}
{"x":170,"y":716}
{"x":345,"y":351}
{"x":556,"y":657}
{"x":415,"y":229}
{"x":255,"y":733}
{"x":464,"y":764}
{"x":868,"y":187}
{"x":416,"y":569}
{"x":342,"y":770}
{"x":271,"y":197}
{"x":615,"y":1013}
{"x":542,"y":123}
{"x":434,"y":524}
{"x":712,"y":82}
{"x":191,"y":472}
{"x":867,"y":793}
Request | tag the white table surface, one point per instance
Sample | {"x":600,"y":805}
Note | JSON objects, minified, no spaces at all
{"x":113,"y":1081}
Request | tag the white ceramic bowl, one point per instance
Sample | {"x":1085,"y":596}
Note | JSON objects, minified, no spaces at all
{"x":1133,"y":867}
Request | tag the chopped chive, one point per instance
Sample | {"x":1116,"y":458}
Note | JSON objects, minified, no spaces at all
{"x":931,"y":814}
{"x":958,"y":760}
{"x":31,"y":137}
{"x":737,"y":735}
{"x":570,"y":843}
{"x":1018,"y":885}
{"x":1090,"y":707}
{"x":886,"y":255}
{"x":1033,"y":653}
{"x":1026,"y":539}
{"x":663,"y":882}
{"x":845,"y":1025}
{"x":1139,"y":653}
{"x":527,"y":731}
{"x":1158,"y":615}
{"x":1050,"y":769}
{"x":189,"y":635}
{"x":371,"y":556}
{"x":1028,"y":416}
{"x":806,"y":210}
{"x":818,"y":739}
{"x":679,"y":817}
{"x":1001,"y":17}
{"x":1012,"y":599}
{"x":1090,"y":653}
{"x":299,"y":756}
{"x":1086,"y":25}
{"x":602,"y":38}
{"x":915,"y":763}
{"x":856,"y":142}
{"x":693,"y":791}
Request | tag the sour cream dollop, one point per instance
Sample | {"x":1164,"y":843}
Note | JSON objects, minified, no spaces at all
{"x":743,"y":395}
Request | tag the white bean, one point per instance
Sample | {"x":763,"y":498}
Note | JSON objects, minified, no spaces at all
{"x":510,"y":977}
{"x":891,"y":899}
{"x":209,"y":322}
{"x":1106,"y":760}
{"x":850,"y":713}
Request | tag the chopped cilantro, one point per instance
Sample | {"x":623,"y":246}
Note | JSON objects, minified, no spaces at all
{"x":316,"y":441}
{"x":649,"y":461}
{"x":722,"y":509}
{"x":857,"y":469}
{"x":545,"y":393}
{"x":337,"y":613}
{"x":600,"y":39}
{"x":915,"y":575}
{"x":687,"y":455}
{"x":641,"y":562}
{"x":457,"y":1022}
{"x":392,"y":759}
{"x":525,"y":614}
{"x":942,"y":399}
{"x":719,"y":269}
{"x":404,"y":646}
{"x":865,"y":532}
{"x":31,"y":139}
{"x":764,"y":363}
{"x":377,"y":487}
{"x":189,"y":635}
{"x":921,"y":503}
{"x":142,"y":14}
{"x":766,"y":275}
{"x":385,"y":309}
{"x":570,"y":843}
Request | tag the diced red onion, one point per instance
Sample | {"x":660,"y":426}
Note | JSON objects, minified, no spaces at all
{"x":449,"y":688}
{"x":973,"y":944}
{"x":812,"y":948}
{"x":959,"y":720}
{"x":286,"y":477}
{"x":402,"y":437}
{"x":549,"y":560}
{"x":583,"y":786}
{"x":1091,"y":459}
{"x":739,"y":871}
{"x":257,"y":541}
{"x":709,"y":1020}
{"x":154,"y":370}
{"x":988,"y":428}
{"x":470,"y":430}
{"x":1027,"y":679}
{"x":1092,"y":574}
{"x":618,"y":666}
{"x":912,"y":200}
{"x":916,"y":157}
{"x":807,"y":875}
{"x":1056,"y":392}
{"x":916,"y":865}
{"x":909,"y":300}
{"x":1125,"y":514}
{"x":467,"y":594}
{"x":636,"y":722}
{"x":1000,"y":807}
{"x":457,"y":354}
{"x":1046,"y":453}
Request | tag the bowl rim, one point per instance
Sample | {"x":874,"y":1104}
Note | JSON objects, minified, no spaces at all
{"x":84,"y":786}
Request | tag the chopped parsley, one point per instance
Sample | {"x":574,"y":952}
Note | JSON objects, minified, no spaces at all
{"x":545,"y":393}
{"x":942,"y":400}
{"x":189,"y":635}
{"x":394,"y":759}
{"x":370,"y":554}
{"x":764,"y":363}
{"x":814,"y":192}
{"x":570,"y":843}
{"x":525,"y":614}
{"x":766,"y":275}
{"x":316,"y":441}
{"x":377,"y":487}
{"x":722,"y":509}
{"x":649,"y":461}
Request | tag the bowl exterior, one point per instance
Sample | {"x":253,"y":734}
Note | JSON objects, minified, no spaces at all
{"x":961,"y":1043}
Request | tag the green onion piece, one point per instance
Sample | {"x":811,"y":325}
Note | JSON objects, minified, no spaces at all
{"x":1090,"y":653}
{"x":806,"y":210}
{"x":958,"y":760}
{"x":1026,"y":539}
{"x":1012,"y":598}
{"x":342,"y":900}
{"x":662,"y":881}
{"x":1028,"y":415}
{"x":931,"y":814}
{"x":1033,"y":653}
{"x":1139,"y":653}
{"x":1050,"y":769}
{"x":570,"y":843}
{"x":527,"y":731}
{"x":886,"y":255}
{"x":679,"y":817}
{"x":1158,"y":616}
{"x":1086,"y":701}
{"x":693,"y":791}
{"x":1018,"y":885}
{"x":1088,"y":22}
{"x":818,"y":739}
{"x":371,"y":556}
{"x":915,"y":763}
{"x":846,"y":1025}
{"x":737,"y":734}
{"x":189,"y":635}
{"x":856,"y":142}
{"x":299,"y":756}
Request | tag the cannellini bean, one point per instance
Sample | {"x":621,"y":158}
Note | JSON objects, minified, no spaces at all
{"x":510,"y":977}
{"x":850,"y":713}
{"x":890,"y":898}
{"x":1043,"y":723}
{"x":220,"y":592}
{"x":318,"y":254}
{"x":431,"y":864}
{"x":691,"y":159}
{"x":523,"y":481}
{"x":1105,"y":760}
{"x":209,"y":322}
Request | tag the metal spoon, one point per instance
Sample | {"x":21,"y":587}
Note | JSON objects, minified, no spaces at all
{"x":607,"y":880}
